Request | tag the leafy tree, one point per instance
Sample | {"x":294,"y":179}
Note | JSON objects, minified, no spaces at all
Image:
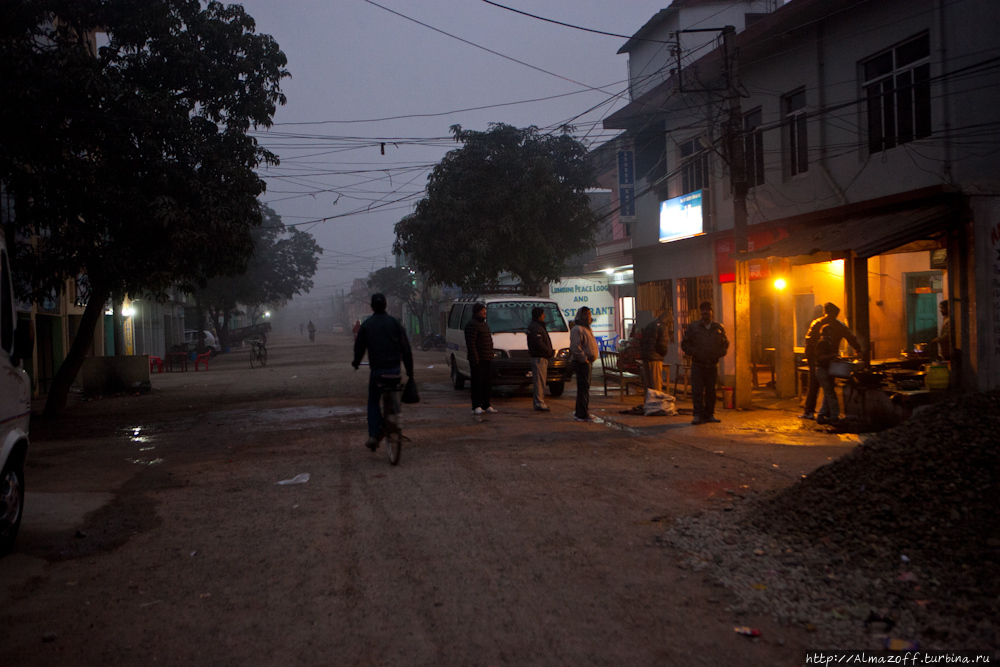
{"x":283,"y":263}
{"x":402,"y":284}
{"x":510,"y":200}
{"x":132,"y":161}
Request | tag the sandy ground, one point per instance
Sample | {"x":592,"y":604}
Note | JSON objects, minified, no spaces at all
{"x":155,"y":532}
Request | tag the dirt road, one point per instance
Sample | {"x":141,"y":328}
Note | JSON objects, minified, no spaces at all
{"x":155,"y":531}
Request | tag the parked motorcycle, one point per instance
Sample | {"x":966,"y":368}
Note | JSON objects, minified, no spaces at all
{"x":434,"y":340}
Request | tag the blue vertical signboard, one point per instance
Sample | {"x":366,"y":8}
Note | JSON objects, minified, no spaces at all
{"x":626,"y":186}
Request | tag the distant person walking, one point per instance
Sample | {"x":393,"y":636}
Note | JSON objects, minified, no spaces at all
{"x":583,"y":350}
{"x":705,"y":342}
{"x":812,"y":335}
{"x":479,"y":346}
{"x":540,"y":349}
{"x":827,"y":348}
{"x":385,"y":341}
{"x":356,"y":329}
{"x":311,"y":328}
{"x":654,"y":345}
{"x":302,"y":328}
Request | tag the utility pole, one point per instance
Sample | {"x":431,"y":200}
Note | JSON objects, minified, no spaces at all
{"x":738,"y":178}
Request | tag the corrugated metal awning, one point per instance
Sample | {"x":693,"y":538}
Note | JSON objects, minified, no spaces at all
{"x":866,"y":236}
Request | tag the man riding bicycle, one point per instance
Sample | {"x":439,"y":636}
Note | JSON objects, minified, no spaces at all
{"x":384,"y":338}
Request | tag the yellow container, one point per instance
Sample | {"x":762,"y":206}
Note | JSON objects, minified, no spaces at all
{"x":937,"y":376}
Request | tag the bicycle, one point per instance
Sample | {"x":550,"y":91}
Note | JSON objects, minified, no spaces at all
{"x":391,"y":431}
{"x":258,"y":352}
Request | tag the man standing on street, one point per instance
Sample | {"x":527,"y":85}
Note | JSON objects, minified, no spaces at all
{"x":812,"y":335}
{"x":827,"y":347}
{"x":654,"y":345}
{"x":479,"y":345}
{"x":384,"y":338}
{"x":540,"y":349}
{"x":583,"y":350}
{"x":705,"y":342}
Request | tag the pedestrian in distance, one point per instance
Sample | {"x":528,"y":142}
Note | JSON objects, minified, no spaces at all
{"x":311,"y":328}
{"x":302,"y":328}
{"x":540,"y":349}
{"x":583,"y":350}
{"x":654,"y":345}
{"x":706,"y":343}
{"x":827,"y":348}
{"x":812,"y":335}
{"x":479,"y":346}
{"x":385,"y":341}
{"x":356,"y":329}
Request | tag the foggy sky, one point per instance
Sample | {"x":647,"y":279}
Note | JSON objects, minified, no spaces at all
{"x":353,"y":61}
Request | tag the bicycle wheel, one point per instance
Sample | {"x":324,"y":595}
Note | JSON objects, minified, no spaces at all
{"x":394,"y":446}
{"x":392,"y":434}
{"x":263,"y":356}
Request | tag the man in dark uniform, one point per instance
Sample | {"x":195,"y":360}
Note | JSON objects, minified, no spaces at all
{"x":705,"y":342}
{"x":384,"y":338}
{"x":479,"y":347}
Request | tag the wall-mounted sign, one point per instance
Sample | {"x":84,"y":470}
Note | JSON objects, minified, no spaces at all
{"x":622,"y":277}
{"x":759,"y":268}
{"x":573,"y":293}
{"x":681,"y":217}
{"x":626,"y":186}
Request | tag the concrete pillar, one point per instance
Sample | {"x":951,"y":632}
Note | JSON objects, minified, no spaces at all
{"x":784,"y":348}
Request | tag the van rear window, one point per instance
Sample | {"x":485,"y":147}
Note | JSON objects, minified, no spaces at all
{"x":514,"y":316}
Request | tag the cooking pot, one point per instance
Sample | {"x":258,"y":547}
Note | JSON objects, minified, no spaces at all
{"x":842,"y":368}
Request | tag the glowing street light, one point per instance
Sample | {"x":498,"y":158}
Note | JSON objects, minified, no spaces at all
{"x":780,"y":284}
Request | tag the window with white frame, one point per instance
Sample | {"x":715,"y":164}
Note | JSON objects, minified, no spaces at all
{"x":796,"y":136}
{"x":694,"y":166}
{"x":753,"y":147}
{"x":898,"y":92}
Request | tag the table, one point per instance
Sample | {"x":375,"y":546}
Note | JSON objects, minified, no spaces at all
{"x":180,"y":358}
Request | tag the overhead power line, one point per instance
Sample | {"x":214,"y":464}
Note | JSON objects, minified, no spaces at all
{"x":575,"y":27}
{"x":496,"y":53}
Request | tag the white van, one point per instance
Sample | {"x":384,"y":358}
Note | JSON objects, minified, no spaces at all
{"x":15,"y":407}
{"x":508,"y":318}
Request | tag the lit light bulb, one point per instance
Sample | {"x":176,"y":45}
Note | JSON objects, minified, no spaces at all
{"x":780,"y":284}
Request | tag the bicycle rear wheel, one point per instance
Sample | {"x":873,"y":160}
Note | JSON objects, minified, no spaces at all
{"x":394,"y":447}
{"x":392,"y":434}
{"x":262,"y":358}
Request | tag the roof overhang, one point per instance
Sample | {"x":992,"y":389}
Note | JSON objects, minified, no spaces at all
{"x":865,"y":234}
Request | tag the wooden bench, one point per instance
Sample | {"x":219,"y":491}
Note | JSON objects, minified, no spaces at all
{"x":610,"y":368}
{"x":202,"y":359}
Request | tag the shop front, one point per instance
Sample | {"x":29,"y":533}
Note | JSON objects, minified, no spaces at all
{"x":888,"y":270}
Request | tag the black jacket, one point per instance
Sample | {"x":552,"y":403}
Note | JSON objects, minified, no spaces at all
{"x":539,"y":343}
{"x":705,"y":346}
{"x":479,"y":341}
{"x":385,"y":340}
{"x":655,"y":341}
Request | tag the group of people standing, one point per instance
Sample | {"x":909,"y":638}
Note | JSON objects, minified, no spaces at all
{"x":704,"y":341}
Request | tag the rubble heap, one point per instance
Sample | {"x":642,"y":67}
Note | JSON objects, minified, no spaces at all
{"x":928,"y":489}
{"x":898,"y":541}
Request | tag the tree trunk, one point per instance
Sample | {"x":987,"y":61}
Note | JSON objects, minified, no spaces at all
{"x":116,"y":308}
{"x":71,"y":365}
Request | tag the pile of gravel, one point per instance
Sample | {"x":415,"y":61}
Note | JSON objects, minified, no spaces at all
{"x":898,"y":540}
